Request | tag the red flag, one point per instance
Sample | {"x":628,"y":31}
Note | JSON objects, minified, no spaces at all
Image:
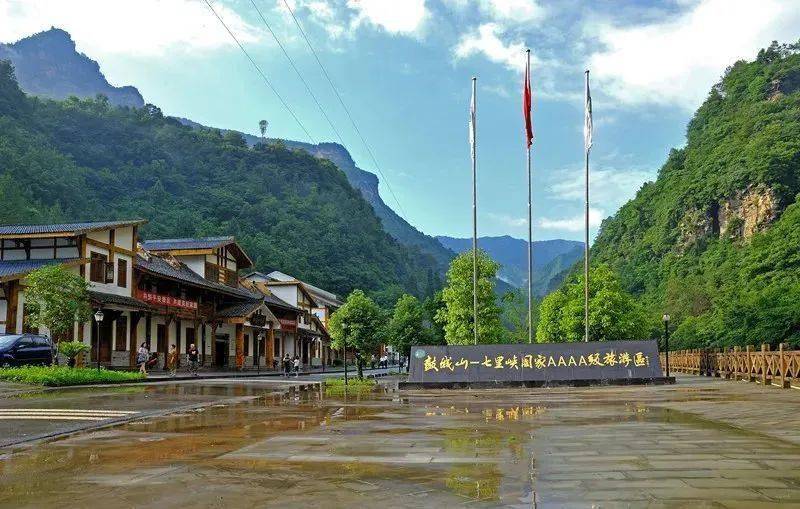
{"x":526,"y":105}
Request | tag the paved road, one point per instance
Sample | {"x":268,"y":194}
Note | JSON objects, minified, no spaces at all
{"x":701,"y":443}
{"x":26,"y":416}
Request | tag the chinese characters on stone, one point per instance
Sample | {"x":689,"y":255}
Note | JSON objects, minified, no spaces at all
{"x":625,"y":359}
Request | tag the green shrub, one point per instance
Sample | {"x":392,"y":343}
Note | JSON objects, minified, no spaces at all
{"x":57,"y":376}
{"x":71,"y":349}
{"x":336,"y":386}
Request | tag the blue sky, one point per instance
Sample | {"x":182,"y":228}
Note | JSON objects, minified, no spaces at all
{"x":404,"y":69}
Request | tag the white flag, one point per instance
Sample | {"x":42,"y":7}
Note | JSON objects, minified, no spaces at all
{"x":587,"y":119}
{"x":472,"y":121}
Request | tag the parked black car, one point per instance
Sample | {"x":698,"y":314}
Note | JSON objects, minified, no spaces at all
{"x":25,"y":349}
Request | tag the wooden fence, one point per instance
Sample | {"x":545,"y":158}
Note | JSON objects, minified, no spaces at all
{"x":779,"y":367}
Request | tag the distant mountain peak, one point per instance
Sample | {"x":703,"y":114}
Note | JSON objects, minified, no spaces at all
{"x":48,"y":64}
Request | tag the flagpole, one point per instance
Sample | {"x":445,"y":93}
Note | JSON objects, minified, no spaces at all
{"x":474,"y":218}
{"x":586,"y":229}
{"x":530,"y":227}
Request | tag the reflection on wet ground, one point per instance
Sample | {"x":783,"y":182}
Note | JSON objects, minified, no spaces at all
{"x":680,"y":446}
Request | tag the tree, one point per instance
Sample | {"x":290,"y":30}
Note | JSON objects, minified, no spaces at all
{"x":357,"y":325}
{"x":457,"y":315}
{"x":432,"y":305}
{"x":613,"y":313}
{"x":262,"y":126}
{"x":515,"y":315}
{"x":56,"y":298}
{"x":407,"y":326}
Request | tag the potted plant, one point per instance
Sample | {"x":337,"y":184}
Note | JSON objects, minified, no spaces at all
{"x":71,"y":350}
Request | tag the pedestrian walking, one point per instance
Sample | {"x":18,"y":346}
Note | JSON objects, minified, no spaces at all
{"x":142,"y":357}
{"x":287,"y":365}
{"x":372,"y":361}
{"x":172,"y":360}
{"x":296,"y":366}
{"x":194,"y":358}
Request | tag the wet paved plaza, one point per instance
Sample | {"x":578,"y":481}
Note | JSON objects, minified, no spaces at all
{"x":700,"y":443}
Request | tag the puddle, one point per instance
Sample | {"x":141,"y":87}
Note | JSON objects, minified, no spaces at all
{"x":421,"y":449}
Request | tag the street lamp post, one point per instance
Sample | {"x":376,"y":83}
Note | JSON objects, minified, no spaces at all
{"x":259,"y":339}
{"x":344,"y":347}
{"x":666,"y":340}
{"x":98,"y":317}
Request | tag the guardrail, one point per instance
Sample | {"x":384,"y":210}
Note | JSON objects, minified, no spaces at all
{"x":779,"y":367}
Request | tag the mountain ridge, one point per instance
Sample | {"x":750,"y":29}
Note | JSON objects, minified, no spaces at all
{"x":549,"y":257}
{"x":714,"y":241}
{"x":48,"y":64}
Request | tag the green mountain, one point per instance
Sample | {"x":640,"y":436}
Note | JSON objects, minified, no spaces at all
{"x":48,"y":65}
{"x":715,"y":240}
{"x":550,"y":257}
{"x":86,"y":159}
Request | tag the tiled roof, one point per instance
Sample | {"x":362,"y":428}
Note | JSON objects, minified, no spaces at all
{"x":176,"y":269}
{"x":71,"y":228}
{"x":188,"y":243}
{"x":240,"y":309}
{"x":118,"y":300}
{"x":11,"y":269}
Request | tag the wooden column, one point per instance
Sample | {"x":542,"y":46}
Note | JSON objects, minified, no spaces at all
{"x":214,"y":326}
{"x":763,"y":364}
{"x":134,"y":336}
{"x":12,"y":304}
{"x":782,"y":367}
{"x":178,"y":338}
{"x":269,"y":351}
{"x":239,"y":346}
{"x":167,"y":323}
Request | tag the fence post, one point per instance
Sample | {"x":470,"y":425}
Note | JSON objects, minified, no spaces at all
{"x":736,"y":355}
{"x":764,"y":364}
{"x":750,"y":371}
{"x":782,"y":361}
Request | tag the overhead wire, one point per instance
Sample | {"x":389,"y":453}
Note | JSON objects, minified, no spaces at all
{"x":261,"y":73}
{"x":346,"y":109}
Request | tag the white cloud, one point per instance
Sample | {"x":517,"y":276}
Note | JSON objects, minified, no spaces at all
{"x":486,"y":41}
{"x":572,"y":224}
{"x":512,"y":11}
{"x":403,"y":17}
{"x":676,"y":61}
{"x":143,"y":28}
{"x":505,"y":219}
{"x":611,"y":187}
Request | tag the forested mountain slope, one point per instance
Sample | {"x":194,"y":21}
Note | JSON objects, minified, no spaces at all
{"x":715,"y":240}
{"x":48,"y":64}
{"x":85,"y":159}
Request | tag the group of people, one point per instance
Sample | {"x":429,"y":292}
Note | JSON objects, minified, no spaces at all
{"x":382,"y":361}
{"x":291,"y":365}
{"x":147,"y":359}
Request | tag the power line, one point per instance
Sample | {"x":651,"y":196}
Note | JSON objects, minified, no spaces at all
{"x":344,"y":106}
{"x":260,"y":72}
{"x":297,"y":71}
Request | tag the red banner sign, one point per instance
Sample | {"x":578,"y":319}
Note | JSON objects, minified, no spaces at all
{"x":288,"y":325}
{"x":167,"y":300}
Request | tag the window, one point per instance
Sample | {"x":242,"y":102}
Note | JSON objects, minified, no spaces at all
{"x":246,"y":345}
{"x":122,"y":273}
{"x":97,"y":267}
{"x":121,"y":342}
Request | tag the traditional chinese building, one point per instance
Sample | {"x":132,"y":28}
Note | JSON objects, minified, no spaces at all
{"x":101,"y":252}
{"x":311,"y":341}
{"x":232,"y":327}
